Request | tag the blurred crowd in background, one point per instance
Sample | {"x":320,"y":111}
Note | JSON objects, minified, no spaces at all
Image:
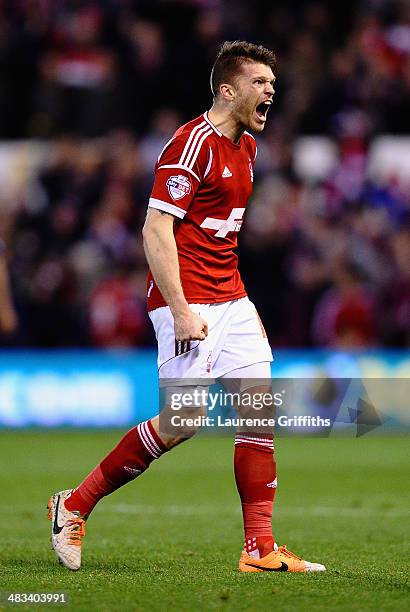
{"x":105,"y":84}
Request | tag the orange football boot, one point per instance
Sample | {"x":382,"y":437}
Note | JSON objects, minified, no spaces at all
{"x":280,"y":560}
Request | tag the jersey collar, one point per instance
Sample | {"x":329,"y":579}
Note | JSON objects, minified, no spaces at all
{"x":209,"y":122}
{"x":215,"y":129}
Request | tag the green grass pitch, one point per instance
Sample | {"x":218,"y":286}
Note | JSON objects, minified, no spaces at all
{"x":171,"y":539}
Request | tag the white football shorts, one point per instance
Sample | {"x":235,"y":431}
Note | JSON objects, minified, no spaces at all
{"x":236,"y":338}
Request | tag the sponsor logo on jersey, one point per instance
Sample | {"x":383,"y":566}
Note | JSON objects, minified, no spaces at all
{"x":232,"y":224}
{"x":226,"y":172}
{"x":178,"y":186}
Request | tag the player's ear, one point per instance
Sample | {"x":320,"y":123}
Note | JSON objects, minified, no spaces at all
{"x":227,"y":92}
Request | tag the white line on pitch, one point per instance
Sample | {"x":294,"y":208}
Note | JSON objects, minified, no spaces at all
{"x":187,"y":510}
{"x":206,"y":510}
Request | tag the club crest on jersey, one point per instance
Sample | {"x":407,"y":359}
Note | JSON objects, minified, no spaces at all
{"x":178,"y":186}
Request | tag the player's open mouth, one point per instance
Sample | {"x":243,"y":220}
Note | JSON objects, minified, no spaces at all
{"x":262,"y":110}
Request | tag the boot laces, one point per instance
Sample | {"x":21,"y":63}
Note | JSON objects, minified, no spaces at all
{"x":76,"y":531}
{"x":288,"y":553}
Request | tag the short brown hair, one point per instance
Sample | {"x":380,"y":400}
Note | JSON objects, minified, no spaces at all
{"x":232,"y":55}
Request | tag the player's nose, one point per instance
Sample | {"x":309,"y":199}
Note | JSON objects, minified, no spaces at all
{"x":269,"y":90}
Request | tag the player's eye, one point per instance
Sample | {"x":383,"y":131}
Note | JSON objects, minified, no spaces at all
{"x":258,"y":81}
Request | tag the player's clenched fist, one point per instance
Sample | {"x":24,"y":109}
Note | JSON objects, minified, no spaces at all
{"x":190,"y":326}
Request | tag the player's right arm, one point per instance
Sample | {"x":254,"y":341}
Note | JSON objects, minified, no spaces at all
{"x":182,"y":165}
{"x":162,"y":256}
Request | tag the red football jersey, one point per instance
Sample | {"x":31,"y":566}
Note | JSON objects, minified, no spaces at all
{"x":205,"y":180}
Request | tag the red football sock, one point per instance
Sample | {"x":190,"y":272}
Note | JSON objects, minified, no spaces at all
{"x":255,"y":475}
{"x":132,"y":456}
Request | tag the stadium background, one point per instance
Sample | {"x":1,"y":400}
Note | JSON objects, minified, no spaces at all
{"x":91,"y":91}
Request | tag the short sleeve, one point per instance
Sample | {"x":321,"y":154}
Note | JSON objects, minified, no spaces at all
{"x":180,"y":170}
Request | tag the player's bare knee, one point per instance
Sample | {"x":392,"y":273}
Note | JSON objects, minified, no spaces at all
{"x":255,"y":405}
{"x":176,"y":426}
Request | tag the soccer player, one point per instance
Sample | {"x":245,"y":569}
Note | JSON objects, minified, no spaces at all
{"x":206,"y":326}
